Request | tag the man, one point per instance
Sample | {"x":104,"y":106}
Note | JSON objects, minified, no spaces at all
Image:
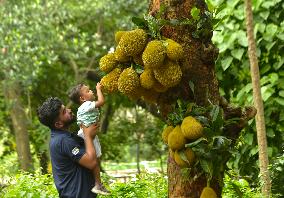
{"x":72,"y":158}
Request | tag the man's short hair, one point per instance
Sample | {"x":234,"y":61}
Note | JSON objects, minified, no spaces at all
{"x":75,"y":93}
{"x":49,"y":111}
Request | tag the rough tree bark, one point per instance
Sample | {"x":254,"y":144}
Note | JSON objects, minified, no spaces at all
{"x":19,"y":120}
{"x":260,"y":122}
{"x":197,"y":67}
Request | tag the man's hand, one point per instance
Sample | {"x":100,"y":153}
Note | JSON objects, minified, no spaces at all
{"x":90,"y":131}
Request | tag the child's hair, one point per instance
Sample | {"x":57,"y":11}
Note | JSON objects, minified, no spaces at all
{"x":74,"y":93}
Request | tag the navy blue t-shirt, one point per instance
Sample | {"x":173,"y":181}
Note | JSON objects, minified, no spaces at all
{"x":71,"y":179}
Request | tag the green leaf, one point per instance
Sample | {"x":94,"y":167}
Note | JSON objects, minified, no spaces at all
{"x":140,"y":22}
{"x":226,"y":62}
{"x":266,"y":92}
{"x":248,"y":138}
{"x":196,"y":142}
{"x":277,"y":65}
{"x":270,"y":132}
{"x":195,"y":13}
{"x":281,"y":93}
{"x":207,"y":167}
{"x":191,"y":85}
{"x":214,"y":112}
{"x":238,"y":53}
{"x":242,"y":39}
{"x":279,"y":101}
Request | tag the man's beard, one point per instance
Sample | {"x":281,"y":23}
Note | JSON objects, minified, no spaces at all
{"x":69,"y":122}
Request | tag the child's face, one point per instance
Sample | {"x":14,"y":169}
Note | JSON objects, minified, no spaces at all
{"x":86,"y":94}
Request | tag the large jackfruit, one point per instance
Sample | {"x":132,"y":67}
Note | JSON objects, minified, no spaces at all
{"x":133,"y":42}
{"x":158,"y":87}
{"x":169,"y":75}
{"x":108,"y":62}
{"x":120,"y":55}
{"x":118,"y":36}
{"x":208,"y":192}
{"x":191,"y":128}
{"x":128,"y":81}
{"x":147,"y":79}
{"x":154,"y":54}
{"x":174,"y":50}
{"x":109,"y":81}
{"x":176,"y":140}
{"x":166,"y":133}
{"x":188,"y":154}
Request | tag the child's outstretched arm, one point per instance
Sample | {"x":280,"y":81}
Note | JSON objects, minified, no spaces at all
{"x":101,"y":100}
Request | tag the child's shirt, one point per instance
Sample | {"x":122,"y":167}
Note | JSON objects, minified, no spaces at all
{"x":87,"y":113}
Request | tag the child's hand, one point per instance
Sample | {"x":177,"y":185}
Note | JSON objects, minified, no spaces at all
{"x":99,"y":86}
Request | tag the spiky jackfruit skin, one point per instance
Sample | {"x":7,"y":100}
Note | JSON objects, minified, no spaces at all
{"x":133,"y":42}
{"x":154,"y":54}
{"x":169,"y":75}
{"x":208,"y":192}
{"x":176,"y":140}
{"x":118,"y":36}
{"x":174,"y":50}
{"x":108,"y":62}
{"x":158,"y":87}
{"x":147,"y":79}
{"x":110,"y":81}
{"x":128,"y":81}
{"x":166,"y":133}
{"x":189,"y":154}
{"x":120,"y":55}
{"x":191,"y":128}
{"x":138,"y":60}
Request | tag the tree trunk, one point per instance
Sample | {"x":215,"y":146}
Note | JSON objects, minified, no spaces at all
{"x":260,"y":122}
{"x":19,"y":120}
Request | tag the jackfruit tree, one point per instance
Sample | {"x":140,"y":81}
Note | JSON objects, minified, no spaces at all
{"x":167,"y":63}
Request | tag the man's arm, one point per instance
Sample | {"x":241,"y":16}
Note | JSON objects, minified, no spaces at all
{"x":101,"y":99}
{"x":89,"y":159}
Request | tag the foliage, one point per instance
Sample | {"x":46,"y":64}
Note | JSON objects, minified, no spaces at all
{"x":276,"y":169}
{"x":30,"y":185}
{"x":234,"y":74}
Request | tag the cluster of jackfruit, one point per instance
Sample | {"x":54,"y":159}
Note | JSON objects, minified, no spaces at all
{"x":176,"y":138}
{"x":158,"y":61}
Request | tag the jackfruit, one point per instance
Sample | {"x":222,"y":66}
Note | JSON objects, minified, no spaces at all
{"x":176,"y":140}
{"x":154,"y":54}
{"x":109,"y":81}
{"x":169,"y":75}
{"x":118,"y":35}
{"x":138,"y":59}
{"x":208,"y":192}
{"x":108,"y":62}
{"x":133,"y":42}
{"x":174,"y":50}
{"x":166,"y":133}
{"x":150,"y":96}
{"x":189,"y":154}
{"x":120,"y":55}
{"x":191,"y":128}
{"x":128,"y":81}
{"x":158,"y":87}
{"x":147,"y":79}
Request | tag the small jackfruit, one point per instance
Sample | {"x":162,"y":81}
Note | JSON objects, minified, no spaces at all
{"x":208,"y":192}
{"x":128,"y":81}
{"x":166,"y":133}
{"x":108,"y":62}
{"x":188,"y":154}
{"x":120,"y":55}
{"x":109,"y":81}
{"x":174,"y":50}
{"x":154,"y":54}
{"x":118,"y":36}
{"x":133,"y":42}
{"x":169,"y":75}
{"x":191,"y":128}
{"x":147,"y":79}
{"x":176,"y":140}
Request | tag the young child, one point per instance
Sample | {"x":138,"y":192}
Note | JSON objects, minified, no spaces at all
{"x":87,"y":114}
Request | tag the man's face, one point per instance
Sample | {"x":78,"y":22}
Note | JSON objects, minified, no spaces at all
{"x":65,"y":118}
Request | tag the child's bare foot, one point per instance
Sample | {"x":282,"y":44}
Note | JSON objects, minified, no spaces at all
{"x":100,"y":189}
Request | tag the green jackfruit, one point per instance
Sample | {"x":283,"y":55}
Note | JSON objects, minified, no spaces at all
{"x":191,"y":128}
{"x":176,"y":140}
{"x":128,"y":81}
{"x":109,"y":81}
{"x":169,"y":75}
{"x":188,"y":154}
{"x":147,"y":79}
{"x":154,"y":54}
{"x":120,"y":55}
{"x":108,"y":62}
{"x":166,"y":133}
{"x":133,"y":42}
{"x":208,"y":192}
{"x":174,"y":50}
